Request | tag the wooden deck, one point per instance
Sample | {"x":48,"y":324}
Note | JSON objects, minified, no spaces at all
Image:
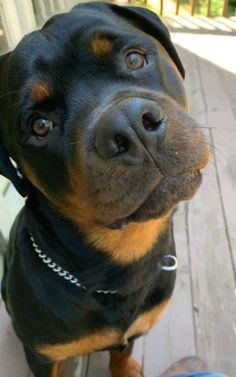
{"x":202,"y":317}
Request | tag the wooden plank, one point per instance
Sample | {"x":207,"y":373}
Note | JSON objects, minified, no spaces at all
{"x":218,"y":105}
{"x":26,"y":15}
{"x":11,"y":23}
{"x":5,"y":218}
{"x":225,"y":157}
{"x":73,"y":368}
{"x":76,"y":367}
{"x":99,"y":365}
{"x":12,"y":359}
{"x":213,"y":275}
{"x":1,"y":274}
{"x":173,"y":337}
{"x":138,"y":351}
{"x":229,"y":82}
{"x":3,"y":185}
{"x":192,"y":82}
{"x":2,"y":250}
{"x":213,"y":279}
{"x":221,"y":116}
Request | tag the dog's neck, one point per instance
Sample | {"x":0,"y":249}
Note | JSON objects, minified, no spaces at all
{"x":62,"y":241}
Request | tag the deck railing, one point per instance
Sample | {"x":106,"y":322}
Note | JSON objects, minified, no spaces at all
{"x":18,"y":17}
{"x":194,"y":3}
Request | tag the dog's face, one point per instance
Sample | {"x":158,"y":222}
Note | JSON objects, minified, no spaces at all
{"x":93,"y":110}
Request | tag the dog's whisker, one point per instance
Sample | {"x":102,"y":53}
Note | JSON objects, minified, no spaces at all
{"x":9,"y":93}
{"x":9,"y":107}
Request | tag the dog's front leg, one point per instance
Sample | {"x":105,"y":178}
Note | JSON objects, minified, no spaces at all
{"x":41,"y":367}
{"x":122,"y":364}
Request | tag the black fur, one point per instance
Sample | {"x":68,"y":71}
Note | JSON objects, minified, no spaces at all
{"x":46,"y":309}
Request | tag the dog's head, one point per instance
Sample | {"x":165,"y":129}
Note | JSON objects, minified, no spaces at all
{"x":94,"y":113}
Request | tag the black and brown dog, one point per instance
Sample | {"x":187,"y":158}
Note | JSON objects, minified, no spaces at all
{"x":94,"y":113}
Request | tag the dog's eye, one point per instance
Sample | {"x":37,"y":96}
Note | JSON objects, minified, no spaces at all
{"x":135,"y":60}
{"x":41,"y":127}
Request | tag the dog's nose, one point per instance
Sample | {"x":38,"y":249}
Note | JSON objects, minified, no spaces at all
{"x":131,"y":128}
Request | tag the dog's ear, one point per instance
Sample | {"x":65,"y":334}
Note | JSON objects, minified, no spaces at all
{"x":7,"y":169}
{"x":151,"y":24}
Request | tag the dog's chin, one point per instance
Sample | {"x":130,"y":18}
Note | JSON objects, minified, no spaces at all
{"x":165,"y":196}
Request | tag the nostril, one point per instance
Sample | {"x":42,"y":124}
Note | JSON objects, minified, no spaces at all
{"x":122,"y":143}
{"x":151,"y":122}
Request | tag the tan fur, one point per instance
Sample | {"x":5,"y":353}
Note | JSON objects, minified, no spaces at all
{"x":101,"y":46}
{"x":122,"y":364}
{"x":147,"y":320}
{"x":40,"y":92}
{"x":132,"y":243}
{"x":124,"y":246}
{"x":103,"y":339}
{"x":91,"y":343}
{"x":126,"y":367}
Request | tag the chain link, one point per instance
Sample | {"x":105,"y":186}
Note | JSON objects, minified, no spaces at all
{"x":66,"y":275}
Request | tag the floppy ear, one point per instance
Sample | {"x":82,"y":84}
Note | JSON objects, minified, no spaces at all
{"x":151,"y":24}
{"x":7,"y":169}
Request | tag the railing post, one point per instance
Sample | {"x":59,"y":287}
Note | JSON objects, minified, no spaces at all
{"x":193,"y":7}
{"x":225,"y":8}
{"x":177,"y":7}
{"x":161,"y":7}
{"x":209,"y":8}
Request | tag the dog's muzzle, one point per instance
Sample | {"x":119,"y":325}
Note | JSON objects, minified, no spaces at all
{"x":131,"y":128}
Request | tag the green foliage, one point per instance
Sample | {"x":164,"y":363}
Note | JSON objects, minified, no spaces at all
{"x":216,"y":7}
{"x":232,"y":7}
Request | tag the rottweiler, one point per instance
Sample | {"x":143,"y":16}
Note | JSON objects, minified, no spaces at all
{"x":95,"y":133}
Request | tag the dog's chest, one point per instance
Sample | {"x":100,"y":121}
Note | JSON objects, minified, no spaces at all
{"x":104,"y":339}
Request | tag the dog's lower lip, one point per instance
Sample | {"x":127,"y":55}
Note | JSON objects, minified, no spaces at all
{"x":120,"y":224}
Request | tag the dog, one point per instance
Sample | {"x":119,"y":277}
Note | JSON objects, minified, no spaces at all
{"x":95,"y":116}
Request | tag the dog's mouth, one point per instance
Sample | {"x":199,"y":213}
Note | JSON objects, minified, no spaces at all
{"x":165,"y":196}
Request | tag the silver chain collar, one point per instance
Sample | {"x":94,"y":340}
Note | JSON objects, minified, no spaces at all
{"x":73,"y":280}
{"x":63,"y":273}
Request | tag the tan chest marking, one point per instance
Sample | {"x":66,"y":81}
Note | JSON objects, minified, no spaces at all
{"x":147,"y":320}
{"x":86,"y":345}
{"x":103,"y":339}
{"x":131,"y":244}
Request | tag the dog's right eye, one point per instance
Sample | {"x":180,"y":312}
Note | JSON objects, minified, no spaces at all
{"x":41,"y":127}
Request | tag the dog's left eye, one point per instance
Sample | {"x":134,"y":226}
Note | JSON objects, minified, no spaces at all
{"x":135,"y":60}
{"x":41,"y":127}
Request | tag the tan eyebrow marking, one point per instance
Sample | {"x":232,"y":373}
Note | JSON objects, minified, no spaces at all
{"x":101,"y":45}
{"x":40,"y":91}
